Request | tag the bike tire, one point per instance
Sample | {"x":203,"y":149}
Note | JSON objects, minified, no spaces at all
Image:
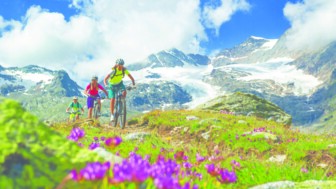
{"x":116,"y":113}
{"x":95,"y":112}
{"x":123,"y":114}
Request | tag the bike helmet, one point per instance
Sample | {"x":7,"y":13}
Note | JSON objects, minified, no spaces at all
{"x":95,"y":78}
{"x":75,"y":98}
{"x":120,"y":61}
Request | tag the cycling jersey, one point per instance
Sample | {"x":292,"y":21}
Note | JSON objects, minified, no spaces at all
{"x":117,"y":77}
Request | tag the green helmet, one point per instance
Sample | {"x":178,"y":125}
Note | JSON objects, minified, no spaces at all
{"x":120,"y":61}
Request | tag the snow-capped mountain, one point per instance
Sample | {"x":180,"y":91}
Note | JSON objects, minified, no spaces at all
{"x":170,"y":58}
{"x":185,"y":70}
{"x":37,"y":80}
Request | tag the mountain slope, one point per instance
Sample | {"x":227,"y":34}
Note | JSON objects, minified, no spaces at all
{"x":170,"y":58}
{"x":37,"y":80}
{"x":248,"y":104}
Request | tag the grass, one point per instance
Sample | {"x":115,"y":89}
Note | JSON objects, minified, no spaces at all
{"x":231,"y":136}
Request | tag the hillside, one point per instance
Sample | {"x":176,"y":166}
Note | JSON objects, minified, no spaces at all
{"x":245,"y":152}
{"x":247,"y":105}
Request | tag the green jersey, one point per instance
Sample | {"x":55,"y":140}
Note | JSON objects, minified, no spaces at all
{"x":117,"y":75}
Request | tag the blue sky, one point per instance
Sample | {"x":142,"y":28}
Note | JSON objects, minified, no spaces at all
{"x":265,"y":18}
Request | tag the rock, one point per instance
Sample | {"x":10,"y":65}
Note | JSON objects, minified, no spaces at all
{"x":315,"y":184}
{"x":277,"y":158}
{"x":310,"y":184}
{"x":137,"y":136}
{"x":186,"y":129}
{"x":332,"y":146}
{"x":206,"y":135}
{"x":190,"y":118}
{"x":266,"y":135}
{"x":243,"y":122}
{"x":108,"y":156}
{"x":276,"y":185}
{"x":322,"y":165}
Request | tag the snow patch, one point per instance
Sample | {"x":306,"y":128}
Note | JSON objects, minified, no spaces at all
{"x":189,"y":77}
{"x":280,"y":71}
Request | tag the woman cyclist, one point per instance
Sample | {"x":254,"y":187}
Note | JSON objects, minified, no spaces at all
{"x":92,"y":91}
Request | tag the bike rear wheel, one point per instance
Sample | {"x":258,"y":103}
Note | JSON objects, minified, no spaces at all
{"x":96,"y":111}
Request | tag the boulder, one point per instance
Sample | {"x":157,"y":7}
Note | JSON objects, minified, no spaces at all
{"x":137,"y":136}
{"x":277,"y":158}
{"x":107,"y":156}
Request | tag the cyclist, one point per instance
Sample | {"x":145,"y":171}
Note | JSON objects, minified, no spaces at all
{"x":76,"y":107}
{"x":116,"y":82}
{"x":92,"y":91}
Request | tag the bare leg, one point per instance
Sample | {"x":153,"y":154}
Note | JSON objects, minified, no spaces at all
{"x":112,"y":105}
{"x":99,"y":102}
{"x":124,"y":93}
{"x":90,"y":113}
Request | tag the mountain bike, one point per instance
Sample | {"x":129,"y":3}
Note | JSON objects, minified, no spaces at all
{"x":96,"y":112}
{"x":120,"y":109}
{"x":72,"y":117}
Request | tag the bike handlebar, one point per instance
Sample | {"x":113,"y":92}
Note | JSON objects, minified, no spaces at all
{"x":74,"y":113}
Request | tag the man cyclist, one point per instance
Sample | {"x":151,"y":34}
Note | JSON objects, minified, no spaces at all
{"x":75,"y":107}
{"x":116,"y":82}
{"x":92,"y":91}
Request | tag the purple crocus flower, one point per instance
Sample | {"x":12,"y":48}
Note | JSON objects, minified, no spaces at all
{"x":166,"y":182}
{"x":102,"y":138}
{"x":76,"y":134}
{"x":187,"y":165}
{"x":304,"y":170}
{"x":235,"y":164}
{"x":227,"y":176}
{"x":80,"y":144}
{"x":134,"y":169}
{"x":113,"y":142}
{"x":95,"y":138}
{"x":179,"y":156}
{"x":199,"y":158}
{"x":212,"y":169}
{"x":92,"y":171}
{"x":94,"y":145}
{"x":189,"y":186}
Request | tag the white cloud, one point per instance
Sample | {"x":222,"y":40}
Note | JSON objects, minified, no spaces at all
{"x":215,"y":16}
{"x":103,"y":30}
{"x":313,"y":24}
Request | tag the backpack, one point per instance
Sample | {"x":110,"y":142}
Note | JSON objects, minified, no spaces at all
{"x":73,"y":104}
{"x":115,"y":72}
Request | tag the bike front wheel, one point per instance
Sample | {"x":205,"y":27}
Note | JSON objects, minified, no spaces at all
{"x":122,"y":114}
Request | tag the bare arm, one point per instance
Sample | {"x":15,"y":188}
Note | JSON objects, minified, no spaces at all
{"x":67,"y":110}
{"x":86,"y":92}
{"x":106,"y":78}
{"x":105,"y":92}
{"x":131,"y":77}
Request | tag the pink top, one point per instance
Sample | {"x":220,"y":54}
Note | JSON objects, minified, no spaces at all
{"x":94,"y":91}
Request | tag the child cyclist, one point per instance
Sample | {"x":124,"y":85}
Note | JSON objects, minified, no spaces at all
{"x":75,"y":107}
{"x":92,"y":91}
{"x":115,"y":82}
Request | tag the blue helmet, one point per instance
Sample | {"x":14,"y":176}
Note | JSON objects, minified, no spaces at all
{"x":120,"y":61}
